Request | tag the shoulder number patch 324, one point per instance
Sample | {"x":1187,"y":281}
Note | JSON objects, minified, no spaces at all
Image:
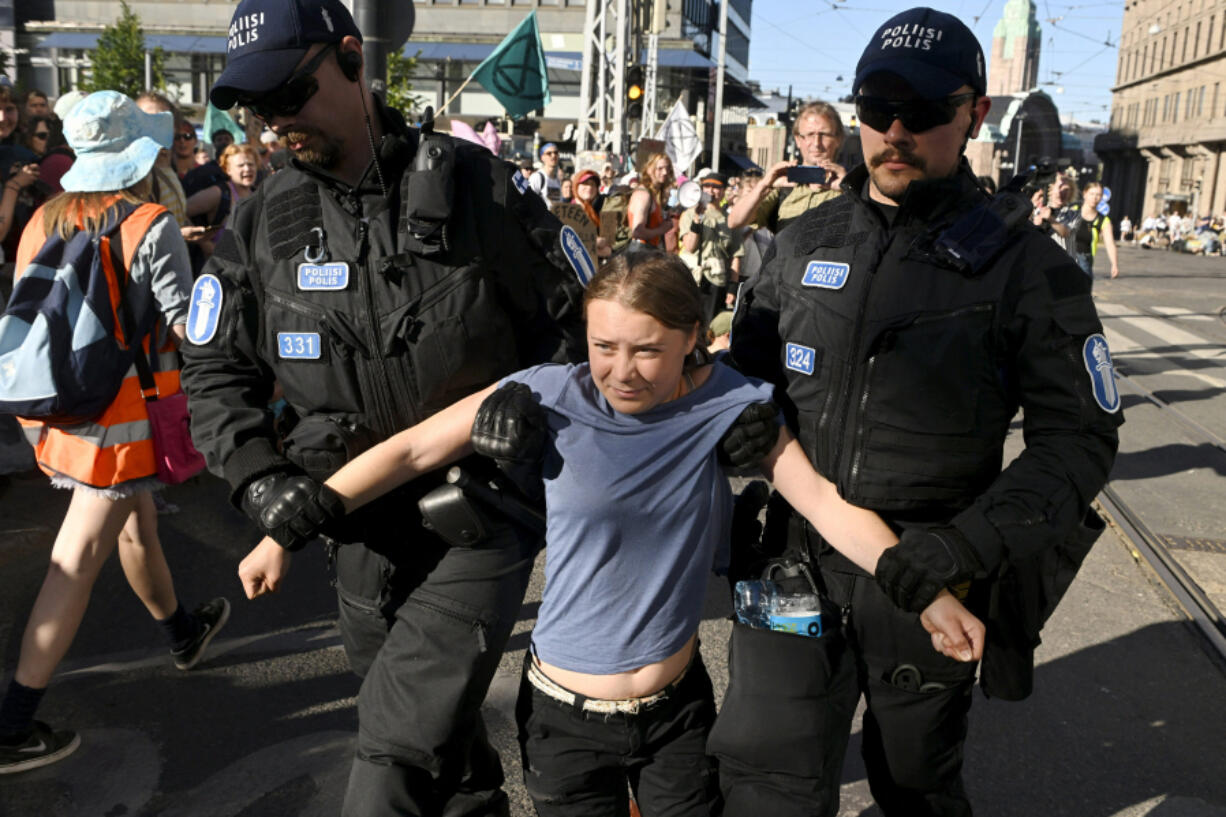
{"x":800,"y":358}
{"x":1097,"y":358}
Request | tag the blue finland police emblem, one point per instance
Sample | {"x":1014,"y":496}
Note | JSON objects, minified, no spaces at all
{"x":799,"y":358}
{"x":205,"y":311}
{"x":1097,"y":358}
{"x":298,"y":345}
{"x":332,"y":276}
{"x":521,"y":183}
{"x":825,"y":274}
{"x":576,"y":254}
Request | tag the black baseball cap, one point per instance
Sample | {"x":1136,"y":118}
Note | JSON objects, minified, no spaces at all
{"x":268,"y":38}
{"x":933,"y":51}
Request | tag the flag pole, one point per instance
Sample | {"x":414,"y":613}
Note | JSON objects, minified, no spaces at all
{"x":451,"y":98}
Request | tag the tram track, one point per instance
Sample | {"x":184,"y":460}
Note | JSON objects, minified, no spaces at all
{"x":1207,"y":620}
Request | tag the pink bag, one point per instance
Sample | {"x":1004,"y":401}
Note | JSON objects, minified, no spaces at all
{"x":177,"y":458}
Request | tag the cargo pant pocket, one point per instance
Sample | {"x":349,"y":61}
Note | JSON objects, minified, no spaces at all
{"x":783,"y":728}
{"x":361,"y":590}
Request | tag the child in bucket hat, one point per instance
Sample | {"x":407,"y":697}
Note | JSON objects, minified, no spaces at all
{"x":116,"y":143}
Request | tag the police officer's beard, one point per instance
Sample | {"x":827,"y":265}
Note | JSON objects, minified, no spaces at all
{"x":318,"y":148}
{"x":889,"y":184}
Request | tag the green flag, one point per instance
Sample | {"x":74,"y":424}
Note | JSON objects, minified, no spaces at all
{"x":215,"y":120}
{"x":515,"y":72}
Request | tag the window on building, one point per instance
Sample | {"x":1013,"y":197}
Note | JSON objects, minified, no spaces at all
{"x":1183,"y":55}
{"x":1175,"y":106}
{"x":1213,"y":102}
{"x":1209,"y":36}
{"x":1196,"y":43}
{"x":1162,"y":59}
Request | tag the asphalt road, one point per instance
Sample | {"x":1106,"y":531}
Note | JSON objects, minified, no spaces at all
{"x":1128,"y":717}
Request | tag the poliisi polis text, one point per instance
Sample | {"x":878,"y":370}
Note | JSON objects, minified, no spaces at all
{"x":910,"y":36}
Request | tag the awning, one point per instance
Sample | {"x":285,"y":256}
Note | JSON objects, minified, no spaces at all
{"x":738,"y":161}
{"x":476,"y":52}
{"x":679,"y":58}
{"x":177,"y":43}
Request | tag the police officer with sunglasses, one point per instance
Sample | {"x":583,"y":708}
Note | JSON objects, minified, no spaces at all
{"x":900,"y":367}
{"x":385,"y":274}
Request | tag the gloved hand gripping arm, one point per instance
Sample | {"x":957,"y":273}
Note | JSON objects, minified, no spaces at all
{"x":511,"y":428}
{"x":752,"y":436}
{"x":923,"y":563}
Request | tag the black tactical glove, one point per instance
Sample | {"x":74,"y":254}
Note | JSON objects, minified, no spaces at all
{"x":923,"y":563}
{"x":511,"y":429}
{"x":752,"y":436}
{"x":292,"y":509}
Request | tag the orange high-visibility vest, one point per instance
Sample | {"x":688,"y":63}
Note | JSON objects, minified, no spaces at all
{"x":117,"y":446}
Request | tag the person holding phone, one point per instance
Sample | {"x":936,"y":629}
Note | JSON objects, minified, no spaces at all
{"x":790,"y":188}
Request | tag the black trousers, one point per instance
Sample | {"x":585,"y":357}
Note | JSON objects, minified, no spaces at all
{"x":782,"y":733}
{"x":427,"y":636}
{"x":578,"y":763}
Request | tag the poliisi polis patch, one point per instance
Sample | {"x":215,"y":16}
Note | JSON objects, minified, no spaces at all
{"x":327,"y":277}
{"x":576,"y":254}
{"x":799,"y":358}
{"x":1097,"y":358}
{"x":825,"y":274}
{"x":205,"y":311}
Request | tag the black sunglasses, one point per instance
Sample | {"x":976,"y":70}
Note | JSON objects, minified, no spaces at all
{"x":41,"y":134}
{"x":186,"y":136}
{"x":917,"y":115}
{"x":292,"y":95}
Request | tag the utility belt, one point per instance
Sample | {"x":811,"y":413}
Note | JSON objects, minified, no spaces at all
{"x":601,"y":706}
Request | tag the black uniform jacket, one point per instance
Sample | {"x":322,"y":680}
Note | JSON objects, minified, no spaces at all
{"x":900,"y":375}
{"x":412,"y":325}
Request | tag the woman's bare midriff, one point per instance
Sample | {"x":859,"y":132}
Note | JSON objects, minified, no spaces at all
{"x":635,"y":683}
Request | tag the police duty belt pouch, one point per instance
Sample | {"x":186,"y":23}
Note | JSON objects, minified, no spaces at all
{"x":787,"y":706}
{"x":1023,"y":597}
{"x":62,"y":358}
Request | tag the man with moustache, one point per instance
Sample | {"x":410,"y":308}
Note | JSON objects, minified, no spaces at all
{"x":899,"y":367}
{"x":385,"y":274}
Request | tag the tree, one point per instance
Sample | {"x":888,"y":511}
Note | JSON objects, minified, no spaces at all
{"x":119,"y":59}
{"x":400,"y":71}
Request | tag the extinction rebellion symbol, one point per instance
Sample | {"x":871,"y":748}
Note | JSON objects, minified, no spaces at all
{"x":520,"y":78}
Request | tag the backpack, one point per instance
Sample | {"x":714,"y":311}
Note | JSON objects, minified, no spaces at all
{"x":63,"y":357}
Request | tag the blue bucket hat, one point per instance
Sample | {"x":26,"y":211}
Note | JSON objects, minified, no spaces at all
{"x":933,"y":51}
{"x":268,"y":38}
{"x":116,"y":142}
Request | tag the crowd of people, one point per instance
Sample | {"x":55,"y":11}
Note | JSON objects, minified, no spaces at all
{"x":1180,"y":232}
{"x":395,"y":301}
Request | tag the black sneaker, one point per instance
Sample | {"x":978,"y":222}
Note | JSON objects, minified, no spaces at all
{"x":42,"y":748}
{"x":213,"y":615}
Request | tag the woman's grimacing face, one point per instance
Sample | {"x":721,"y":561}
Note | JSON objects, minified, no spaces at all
{"x":637,"y":362}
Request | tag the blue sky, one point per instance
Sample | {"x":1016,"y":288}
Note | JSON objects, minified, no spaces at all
{"x":811,"y":43}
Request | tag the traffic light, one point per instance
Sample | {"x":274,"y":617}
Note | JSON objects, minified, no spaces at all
{"x":634,"y":92}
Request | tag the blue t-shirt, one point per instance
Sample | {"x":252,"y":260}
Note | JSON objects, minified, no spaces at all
{"x":637,"y":511}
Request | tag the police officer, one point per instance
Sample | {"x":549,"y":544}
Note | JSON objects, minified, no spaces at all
{"x":899,"y":366}
{"x":384,"y":275}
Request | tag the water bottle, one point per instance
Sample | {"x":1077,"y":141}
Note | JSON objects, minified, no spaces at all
{"x":797,"y":613}
{"x":754,"y":601}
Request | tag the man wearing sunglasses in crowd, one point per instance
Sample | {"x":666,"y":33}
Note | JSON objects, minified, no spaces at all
{"x":900,"y":368}
{"x":386,"y":273}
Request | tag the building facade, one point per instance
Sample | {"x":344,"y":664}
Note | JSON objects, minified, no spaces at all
{"x":1164,"y":151}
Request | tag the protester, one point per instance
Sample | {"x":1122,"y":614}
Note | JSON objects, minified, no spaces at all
{"x":221,"y":139}
{"x":108,"y":463}
{"x":1126,"y":230}
{"x":424,"y":304}
{"x":602,"y":662}
{"x":586,"y":184}
{"x":547,"y":181}
{"x":774,"y":201}
{"x":1089,"y":229}
{"x":647,"y":214}
{"x":184,"y":151}
{"x":1056,"y":213}
{"x":10,"y":116}
{"x":608,"y":177}
{"x":35,"y":104}
{"x":214,"y":206}
{"x":707,"y":245}
{"x":900,"y":370}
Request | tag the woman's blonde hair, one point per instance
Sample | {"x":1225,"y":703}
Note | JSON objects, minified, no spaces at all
{"x":68,"y":212}
{"x":656,"y":193}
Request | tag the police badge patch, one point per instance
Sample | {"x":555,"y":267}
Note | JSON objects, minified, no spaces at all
{"x":205,"y":311}
{"x":576,"y":254}
{"x":1097,"y":358}
{"x":825,"y":275}
{"x":326,"y":277}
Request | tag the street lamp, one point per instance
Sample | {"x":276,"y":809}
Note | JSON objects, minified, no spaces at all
{"x":1017,"y":151}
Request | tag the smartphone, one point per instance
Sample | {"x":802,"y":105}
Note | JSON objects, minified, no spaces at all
{"x":806,"y":174}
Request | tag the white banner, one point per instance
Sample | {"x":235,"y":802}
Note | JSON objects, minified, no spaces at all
{"x":680,"y":139}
